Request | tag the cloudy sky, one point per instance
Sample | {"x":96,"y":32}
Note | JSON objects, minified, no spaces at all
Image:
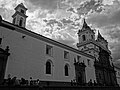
{"x":61,"y":19}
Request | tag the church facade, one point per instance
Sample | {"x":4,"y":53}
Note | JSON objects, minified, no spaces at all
{"x":26,"y":54}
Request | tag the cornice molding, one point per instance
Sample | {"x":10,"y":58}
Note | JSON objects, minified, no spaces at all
{"x":40,"y":37}
{"x":94,"y":42}
{"x":19,"y":14}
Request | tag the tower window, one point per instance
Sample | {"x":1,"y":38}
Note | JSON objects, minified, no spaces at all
{"x":66,"y":70}
{"x":48,"y":67}
{"x":14,"y":20}
{"x":21,"y":20}
{"x":83,"y":36}
{"x":22,"y":11}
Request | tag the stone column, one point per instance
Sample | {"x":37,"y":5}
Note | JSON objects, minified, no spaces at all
{"x":3,"y":61}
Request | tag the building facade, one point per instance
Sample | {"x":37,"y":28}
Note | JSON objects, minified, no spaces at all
{"x":104,"y":69}
{"x":27,"y":54}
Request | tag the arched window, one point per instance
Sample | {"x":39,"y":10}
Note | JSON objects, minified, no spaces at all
{"x":66,"y":70}
{"x":48,"y":67}
{"x":21,"y":21}
{"x":83,"y":36}
{"x":22,"y":11}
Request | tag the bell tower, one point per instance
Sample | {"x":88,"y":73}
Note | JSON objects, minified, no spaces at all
{"x":87,"y":41}
{"x":86,"y":33}
{"x":87,"y":45}
{"x":19,"y":17}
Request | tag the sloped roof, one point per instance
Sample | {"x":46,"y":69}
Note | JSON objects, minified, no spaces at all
{"x":23,"y":30}
{"x":99,"y":37}
{"x":85,"y":27}
{"x":20,"y":5}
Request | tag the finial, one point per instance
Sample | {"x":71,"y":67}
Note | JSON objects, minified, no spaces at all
{"x":7,"y":49}
{"x":85,"y":26}
{"x":98,"y":33}
{"x":21,"y":3}
{"x":84,"y":23}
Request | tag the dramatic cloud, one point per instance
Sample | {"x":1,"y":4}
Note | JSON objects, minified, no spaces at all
{"x":108,"y":22}
{"x":45,"y":4}
{"x":101,"y":20}
{"x":61,"y":19}
{"x":88,"y":6}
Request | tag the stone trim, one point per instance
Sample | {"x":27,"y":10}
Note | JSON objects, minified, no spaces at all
{"x":19,"y":14}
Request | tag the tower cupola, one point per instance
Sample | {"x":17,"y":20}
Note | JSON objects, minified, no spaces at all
{"x":86,"y":40}
{"x":85,"y":33}
{"x":85,"y":26}
{"x":19,"y":17}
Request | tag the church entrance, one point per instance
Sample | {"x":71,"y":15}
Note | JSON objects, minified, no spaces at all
{"x":80,"y":81}
{"x":80,"y":73}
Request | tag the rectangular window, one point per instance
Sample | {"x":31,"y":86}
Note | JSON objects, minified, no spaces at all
{"x":49,"y":50}
{"x":66,"y":54}
{"x":22,"y":11}
{"x":84,"y":38}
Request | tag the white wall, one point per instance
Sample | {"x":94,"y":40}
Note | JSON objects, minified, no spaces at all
{"x":28,"y":58}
